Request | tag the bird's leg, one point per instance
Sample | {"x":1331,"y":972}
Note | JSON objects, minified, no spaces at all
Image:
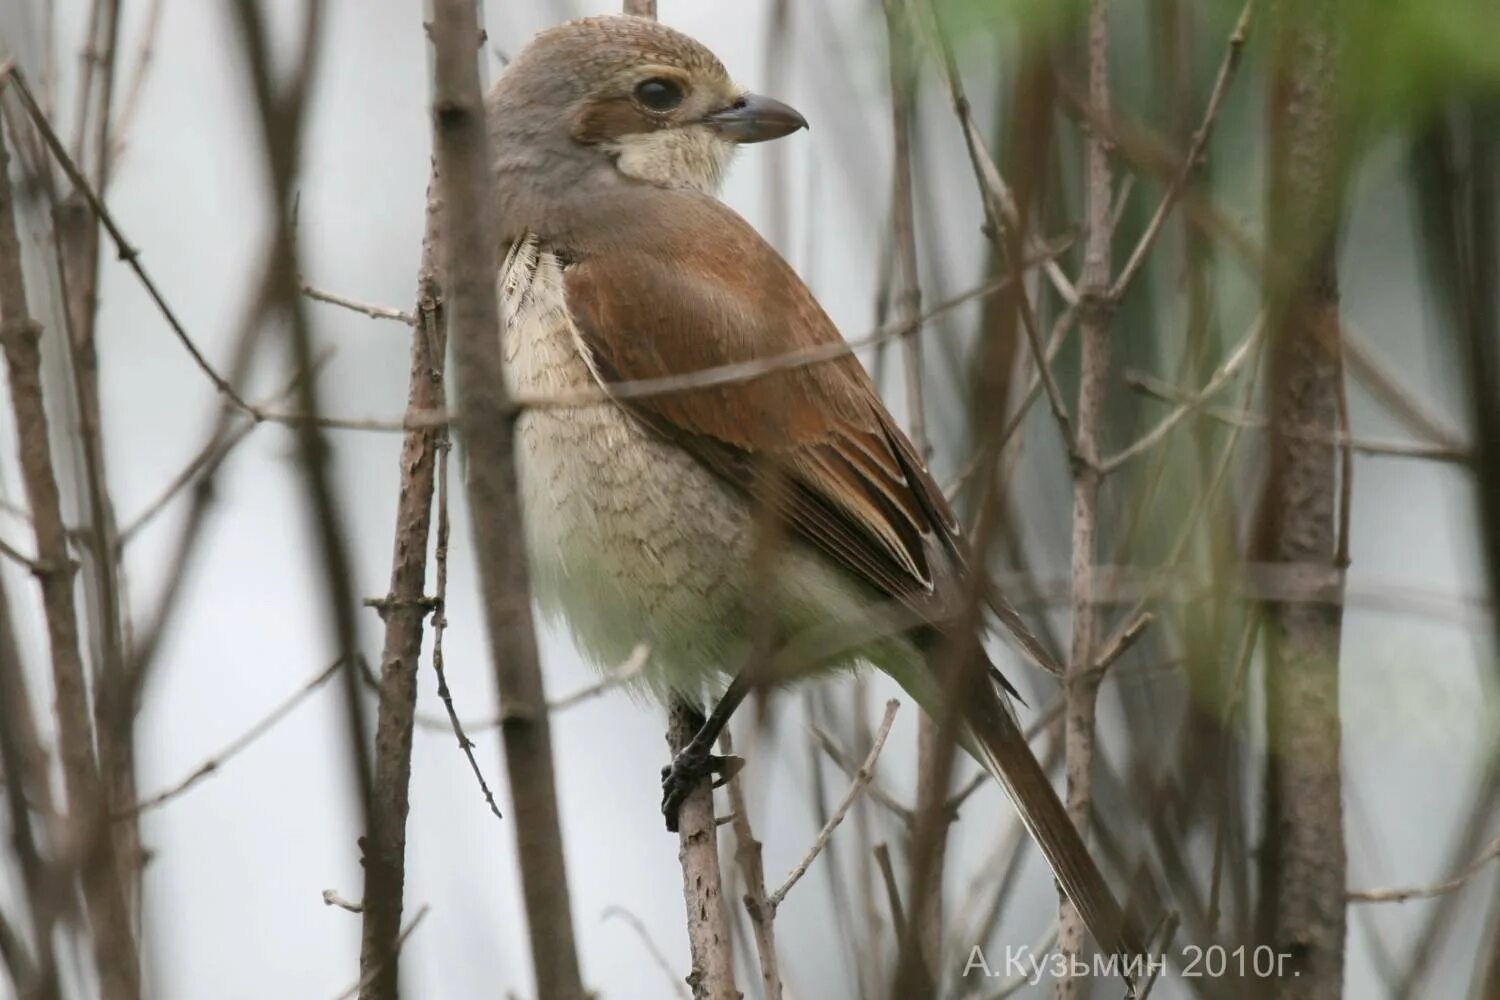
{"x":696,"y":760}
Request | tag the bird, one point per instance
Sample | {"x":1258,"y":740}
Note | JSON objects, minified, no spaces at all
{"x":644,"y":512}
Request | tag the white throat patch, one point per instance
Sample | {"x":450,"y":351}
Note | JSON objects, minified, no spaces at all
{"x":693,"y":157}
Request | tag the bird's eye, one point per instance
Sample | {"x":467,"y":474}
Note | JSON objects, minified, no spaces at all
{"x":658,"y":94}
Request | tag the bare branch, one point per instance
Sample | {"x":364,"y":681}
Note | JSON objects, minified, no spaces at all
{"x":213,"y":764}
{"x":1246,"y":420}
{"x":1196,"y":148}
{"x":331,"y":897}
{"x":374,"y":312}
{"x":747,"y":854}
{"x":369,"y":976}
{"x":1473,"y":868}
{"x":861,"y":779}
{"x":127,"y":253}
{"x":100,"y":872}
{"x":403,"y":612}
{"x":851,"y":770}
{"x":712,"y":976}
{"x":1095,"y":314}
{"x":678,"y":986}
{"x":1217,"y":381}
{"x":469,"y":259}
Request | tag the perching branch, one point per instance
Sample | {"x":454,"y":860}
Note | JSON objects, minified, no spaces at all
{"x":712,"y":975}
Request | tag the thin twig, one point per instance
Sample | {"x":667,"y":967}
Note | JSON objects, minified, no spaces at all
{"x":1196,"y":147}
{"x":1383,"y":381}
{"x":718,"y":375}
{"x":99,"y":867}
{"x":136,"y":86}
{"x":1216,"y":381}
{"x":1245,"y":420}
{"x":372,"y":974}
{"x":233,"y":748}
{"x":873,"y":788}
{"x":658,"y":959}
{"x":127,"y":253}
{"x":747,"y":854}
{"x":861,"y":779}
{"x":365,"y":308}
{"x":626,"y":672}
{"x":331,"y":897}
{"x":209,"y":457}
{"x":619,"y":676}
{"x":1401,"y":895}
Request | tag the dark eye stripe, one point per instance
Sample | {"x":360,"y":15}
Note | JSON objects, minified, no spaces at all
{"x":657,"y":94}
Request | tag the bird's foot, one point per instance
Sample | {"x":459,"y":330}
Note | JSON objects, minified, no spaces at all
{"x":691,"y":765}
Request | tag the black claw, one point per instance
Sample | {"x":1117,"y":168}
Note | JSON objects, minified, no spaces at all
{"x":688,"y":768}
{"x":726,"y":768}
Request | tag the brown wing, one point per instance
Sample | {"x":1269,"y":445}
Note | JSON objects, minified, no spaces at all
{"x":696,"y":288}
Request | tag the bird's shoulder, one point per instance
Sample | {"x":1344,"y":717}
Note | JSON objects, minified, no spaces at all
{"x":745,"y":371}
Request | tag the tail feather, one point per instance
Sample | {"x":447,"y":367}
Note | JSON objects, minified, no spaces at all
{"x":1002,"y":749}
{"x":992,"y":736}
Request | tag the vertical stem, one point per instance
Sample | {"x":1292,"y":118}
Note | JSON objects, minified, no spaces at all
{"x":20,"y":335}
{"x":932,"y":790}
{"x":748,"y":855}
{"x":487,"y":423}
{"x":1303,"y":856}
{"x":403,"y":611}
{"x":712,"y":976}
{"x":1095,"y":312}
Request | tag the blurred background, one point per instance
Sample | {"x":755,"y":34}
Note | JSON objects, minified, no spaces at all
{"x":235,"y":868}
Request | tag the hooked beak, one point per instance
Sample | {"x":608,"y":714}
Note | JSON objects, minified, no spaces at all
{"x":754,"y":118}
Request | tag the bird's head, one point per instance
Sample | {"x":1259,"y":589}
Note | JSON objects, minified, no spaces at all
{"x":649,"y":100}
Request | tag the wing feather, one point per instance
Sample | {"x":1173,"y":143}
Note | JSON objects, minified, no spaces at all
{"x":661,"y":301}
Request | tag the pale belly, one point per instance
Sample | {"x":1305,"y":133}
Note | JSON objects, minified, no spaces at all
{"x":630,"y":539}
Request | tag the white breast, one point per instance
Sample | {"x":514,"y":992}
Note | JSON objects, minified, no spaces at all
{"x":631,"y":539}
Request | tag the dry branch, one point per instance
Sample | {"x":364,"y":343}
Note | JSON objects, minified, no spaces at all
{"x":485,"y":420}
{"x":403,"y":611}
{"x":679,"y":988}
{"x":231,"y":750}
{"x":1096,"y":310}
{"x":1303,"y":862}
{"x":1401,"y":895}
{"x":862,"y":777}
{"x":364,"y":308}
{"x":126,"y":252}
{"x":99,"y":867}
{"x":712,"y":975}
{"x":1194,"y":156}
{"x":748,"y":855}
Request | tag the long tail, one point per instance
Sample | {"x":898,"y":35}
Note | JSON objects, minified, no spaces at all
{"x":992,"y":736}
{"x":1001,"y":747}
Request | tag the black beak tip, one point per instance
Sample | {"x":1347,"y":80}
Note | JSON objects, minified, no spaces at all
{"x":755,"y":118}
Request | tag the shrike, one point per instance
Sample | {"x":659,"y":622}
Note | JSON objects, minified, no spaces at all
{"x":643,"y":511}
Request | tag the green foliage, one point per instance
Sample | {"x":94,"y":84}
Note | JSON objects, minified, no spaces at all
{"x":1404,"y":58}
